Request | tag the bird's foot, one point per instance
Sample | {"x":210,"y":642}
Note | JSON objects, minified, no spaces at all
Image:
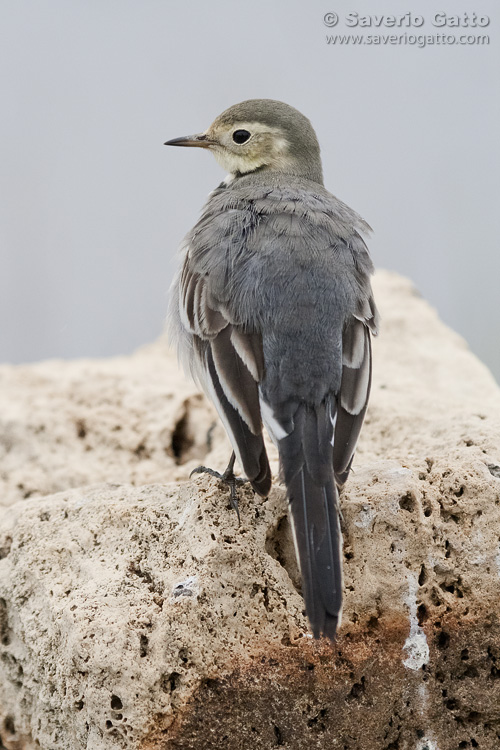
{"x":228,"y":478}
{"x":342,"y":523}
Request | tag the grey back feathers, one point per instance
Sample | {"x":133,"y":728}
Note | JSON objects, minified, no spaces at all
{"x":272,"y":313}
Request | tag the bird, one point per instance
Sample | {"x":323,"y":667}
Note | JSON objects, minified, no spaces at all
{"x":272,"y":313}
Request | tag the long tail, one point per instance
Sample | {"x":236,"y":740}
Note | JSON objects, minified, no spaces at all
{"x":306,"y":461}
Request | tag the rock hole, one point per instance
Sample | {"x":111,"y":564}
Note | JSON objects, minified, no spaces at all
{"x":109,"y":724}
{"x":372,"y":623}
{"x":79,"y":705}
{"x":422,"y":614}
{"x":142,"y":452}
{"x":443,"y":640}
{"x":116,"y":703}
{"x":473,"y":742}
{"x":464,"y":654}
{"x":407,"y":502}
{"x":278,"y":735}
{"x":494,"y":470}
{"x":393,"y":745}
{"x":4,"y":624}
{"x":471,"y":672}
{"x":460,"y":491}
{"x":453,"y":588}
{"x":357,"y":690}
{"x":81,"y":429}
{"x":492,"y":656}
{"x":5,"y":547}
{"x":422,"y":577}
{"x":143,"y":645}
{"x":173,"y":681}
{"x":315,"y":722}
{"x":9,"y":725}
{"x":182,"y":437}
{"x":447,"y":516}
{"x":447,"y":548}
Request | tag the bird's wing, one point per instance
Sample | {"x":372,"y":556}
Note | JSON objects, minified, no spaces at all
{"x":228,"y":364}
{"x":352,"y":398}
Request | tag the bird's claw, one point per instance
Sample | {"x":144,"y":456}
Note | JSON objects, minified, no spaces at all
{"x":233,"y":498}
{"x":227,"y":478}
{"x":206,"y":470}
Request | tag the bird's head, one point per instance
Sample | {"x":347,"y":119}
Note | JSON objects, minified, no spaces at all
{"x":261,"y":134}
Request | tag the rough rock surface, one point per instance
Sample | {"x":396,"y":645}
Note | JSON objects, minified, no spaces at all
{"x":70,"y":423}
{"x":144,"y":617}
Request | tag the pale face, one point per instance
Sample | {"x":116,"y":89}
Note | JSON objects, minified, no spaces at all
{"x":245,"y":146}
{"x":258,"y":135}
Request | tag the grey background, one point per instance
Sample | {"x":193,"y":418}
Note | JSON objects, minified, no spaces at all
{"x":93,"y":207}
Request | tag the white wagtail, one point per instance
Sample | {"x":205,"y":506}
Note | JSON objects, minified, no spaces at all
{"x":272,"y":312}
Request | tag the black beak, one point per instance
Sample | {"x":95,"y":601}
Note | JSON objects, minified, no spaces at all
{"x":201,"y":140}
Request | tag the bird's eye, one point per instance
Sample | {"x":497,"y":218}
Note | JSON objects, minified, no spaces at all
{"x":240,"y":136}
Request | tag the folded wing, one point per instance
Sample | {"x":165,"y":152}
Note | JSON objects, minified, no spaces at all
{"x":228,"y":363}
{"x":352,"y":399}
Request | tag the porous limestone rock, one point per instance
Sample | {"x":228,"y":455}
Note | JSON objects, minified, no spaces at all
{"x":131,"y":419}
{"x":136,"y":613}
